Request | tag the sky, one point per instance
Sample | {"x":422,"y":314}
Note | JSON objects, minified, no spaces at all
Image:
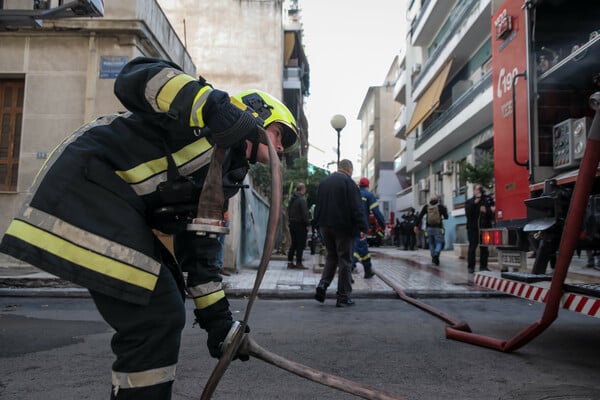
{"x":350,"y":46}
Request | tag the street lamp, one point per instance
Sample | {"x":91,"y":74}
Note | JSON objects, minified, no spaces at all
{"x":338,"y":122}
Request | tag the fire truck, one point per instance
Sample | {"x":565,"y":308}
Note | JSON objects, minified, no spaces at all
{"x":546,"y":87}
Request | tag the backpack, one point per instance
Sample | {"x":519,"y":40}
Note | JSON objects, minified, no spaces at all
{"x":433,"y":215}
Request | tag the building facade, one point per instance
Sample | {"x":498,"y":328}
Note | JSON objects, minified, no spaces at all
{"x":56,"y":75}
{"x":61,"y":75}
{"x":444,"y":88}
{"x":378,"y":145}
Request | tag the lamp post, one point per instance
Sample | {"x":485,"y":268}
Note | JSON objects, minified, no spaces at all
{"x":338,"y":122}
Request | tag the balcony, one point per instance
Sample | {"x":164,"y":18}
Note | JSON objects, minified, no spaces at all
{"x":292,"y":78}
{"x":400,"y":87}
{"x":404,"y":199}
{"x":465,"y":117}
{"x":400,"y":123}
{"x":400,"y":163}
{"x":467,"y":26}
{"x":427,"y":22}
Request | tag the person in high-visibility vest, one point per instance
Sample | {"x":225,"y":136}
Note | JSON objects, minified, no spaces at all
{"x":94,"y":206}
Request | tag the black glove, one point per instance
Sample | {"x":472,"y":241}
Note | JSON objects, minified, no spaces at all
{"x":227,"y":120}
{"x":216,"y":337}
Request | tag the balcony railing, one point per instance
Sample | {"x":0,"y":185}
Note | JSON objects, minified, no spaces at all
{"x":404,"y":199}
{"x":419,"y":17}
{"x":458,"y":17}
{"x":455,"y":108}
{"x":400,"y":123}
{"x":400,"y":87}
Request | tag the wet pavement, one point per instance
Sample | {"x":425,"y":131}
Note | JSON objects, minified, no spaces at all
{"x":412,"y":271}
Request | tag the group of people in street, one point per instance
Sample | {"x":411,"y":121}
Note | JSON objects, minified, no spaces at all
{"x":336,"y":220}
{"x":94,"y":209}
{"x":405,"y":236}
{"x":479,"y":212}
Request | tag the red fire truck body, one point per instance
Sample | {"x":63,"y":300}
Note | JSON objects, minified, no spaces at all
{"x":546,"y":65}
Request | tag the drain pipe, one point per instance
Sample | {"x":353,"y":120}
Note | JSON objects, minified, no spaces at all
{"x":571,"y":232}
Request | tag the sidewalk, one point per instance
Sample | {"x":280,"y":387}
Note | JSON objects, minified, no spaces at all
{"x":411,"y":271}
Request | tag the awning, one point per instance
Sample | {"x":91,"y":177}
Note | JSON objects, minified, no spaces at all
{"x":430,"y":99}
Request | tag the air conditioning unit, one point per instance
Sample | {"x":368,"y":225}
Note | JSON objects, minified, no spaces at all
{"x":416,"y":68}
{"x":447,"y":167}
{"x":423,"y":185}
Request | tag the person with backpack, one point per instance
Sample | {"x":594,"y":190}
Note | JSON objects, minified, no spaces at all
{"x":436,"y":213}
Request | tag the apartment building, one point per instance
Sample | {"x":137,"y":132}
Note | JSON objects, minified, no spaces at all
{"x":58,"y":74}
{"x":239,"y":45}
{"x":378,"y":146}
{"x":444,"y":87}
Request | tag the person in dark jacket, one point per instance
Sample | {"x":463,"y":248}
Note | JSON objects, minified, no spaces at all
{"x":299,"y":223}
{"x":409,"y":221}
{"x":94,"y":206}
{"x":435,"y":213}
{"x":479,"y":211}
{"x":340,"y":217}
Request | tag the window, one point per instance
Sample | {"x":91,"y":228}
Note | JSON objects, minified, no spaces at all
{"x":11,"y":113}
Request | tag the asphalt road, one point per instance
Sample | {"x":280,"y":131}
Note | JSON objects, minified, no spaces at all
{"x":57,"y":349}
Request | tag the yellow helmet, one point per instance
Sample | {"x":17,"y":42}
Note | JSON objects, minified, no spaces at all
{"x":271,"y":110}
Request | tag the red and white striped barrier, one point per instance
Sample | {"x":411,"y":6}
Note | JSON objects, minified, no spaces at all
{"x":579,"y":303}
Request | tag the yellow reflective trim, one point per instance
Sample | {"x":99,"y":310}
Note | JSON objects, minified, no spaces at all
{"x":208,"y":300}
{"x":148,"y":169}
{"x":144,"y":171}
{"x":81,"y":256}
{"x":170,"y":90}
{"x":191,"y":151}
{"x":198,"y":105}
{"x":376,"y":204}
{"x":150,"y":377}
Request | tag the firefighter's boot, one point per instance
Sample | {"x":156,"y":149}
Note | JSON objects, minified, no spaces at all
{"x":368,"y":269}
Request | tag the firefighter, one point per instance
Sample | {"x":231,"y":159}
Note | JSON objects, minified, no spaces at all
{"x":361,"y":248}
{"x":93,"y":206}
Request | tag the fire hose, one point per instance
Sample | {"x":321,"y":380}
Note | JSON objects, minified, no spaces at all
{"x":568,"y":242}
{"x":461,"y":331}
{"x":208,"y":221}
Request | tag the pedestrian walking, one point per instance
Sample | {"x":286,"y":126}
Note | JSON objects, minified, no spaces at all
{"x":361,"y":247}
{"x":435,"y":213}
{"x":340,"y":217}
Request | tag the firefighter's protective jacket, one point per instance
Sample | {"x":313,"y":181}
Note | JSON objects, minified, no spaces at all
{"x":371,"y":205}
{"x":88,"y":218}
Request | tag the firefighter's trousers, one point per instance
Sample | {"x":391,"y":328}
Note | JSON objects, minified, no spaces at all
{"x":146,"y":342}
{"x":361,"y":254}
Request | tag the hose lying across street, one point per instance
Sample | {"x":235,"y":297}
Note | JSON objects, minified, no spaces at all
{"x":456,"y":329}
